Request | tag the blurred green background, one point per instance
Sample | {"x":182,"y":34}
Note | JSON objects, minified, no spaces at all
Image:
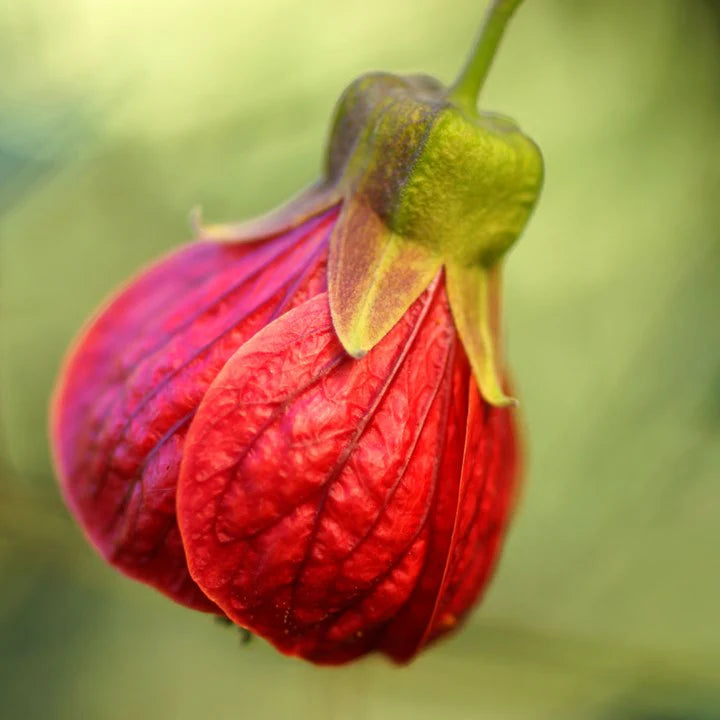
{"x":118,"y":117}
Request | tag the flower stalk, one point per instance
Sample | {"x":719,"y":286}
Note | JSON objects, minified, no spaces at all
{"x":466,"y":89}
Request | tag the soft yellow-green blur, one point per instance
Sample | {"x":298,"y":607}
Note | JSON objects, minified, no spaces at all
{"x":118,"y":117}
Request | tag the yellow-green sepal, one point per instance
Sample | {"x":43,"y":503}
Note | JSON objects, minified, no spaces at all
{"x":310,"y":202}
{"x":374,"y":275}
{"x":474,"y":296}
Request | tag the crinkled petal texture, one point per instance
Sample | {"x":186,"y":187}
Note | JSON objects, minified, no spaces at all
{"x":133,"y":381}
{"x":337,"y":506}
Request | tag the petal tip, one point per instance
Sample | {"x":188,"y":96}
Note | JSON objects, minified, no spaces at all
{"x":353,"y":348}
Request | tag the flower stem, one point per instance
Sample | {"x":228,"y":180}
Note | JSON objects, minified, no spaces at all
{"x":467,"y":87}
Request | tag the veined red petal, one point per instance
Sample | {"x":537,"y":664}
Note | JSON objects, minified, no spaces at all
{"x":133,"y":381}
{"x":332,"y":505}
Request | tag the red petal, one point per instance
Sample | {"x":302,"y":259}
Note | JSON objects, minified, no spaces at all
{"x":134,"y":379}
{"x":321,"y":499}
{"x":484,"y":505}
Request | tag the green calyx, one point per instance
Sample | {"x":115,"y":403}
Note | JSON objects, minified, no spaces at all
{"x":463,"y":187}
{"x":426,"y":185}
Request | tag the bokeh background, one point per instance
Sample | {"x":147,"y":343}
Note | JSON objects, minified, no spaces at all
{"x":116,"y":118}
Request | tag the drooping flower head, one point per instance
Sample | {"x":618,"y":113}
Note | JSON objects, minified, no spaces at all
{"x":303,"y":422}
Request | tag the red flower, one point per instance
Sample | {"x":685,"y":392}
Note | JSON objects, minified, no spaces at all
{"x":329,"y":504}
{"x":300,"y":423}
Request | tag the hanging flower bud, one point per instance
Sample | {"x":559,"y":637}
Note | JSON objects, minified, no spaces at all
{"x":302,"y":422}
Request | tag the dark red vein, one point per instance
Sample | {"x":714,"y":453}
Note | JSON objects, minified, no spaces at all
{"x":322,"y":240}
{"x":278,"y":412}
{"x":359,"y":596}
{"x":453,"y":543}
{"x":401,"y":473}
{"x":195,"y":355}
{"x":362,"y":426}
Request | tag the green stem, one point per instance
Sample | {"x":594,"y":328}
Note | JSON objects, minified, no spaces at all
{"x":467,"y":87}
